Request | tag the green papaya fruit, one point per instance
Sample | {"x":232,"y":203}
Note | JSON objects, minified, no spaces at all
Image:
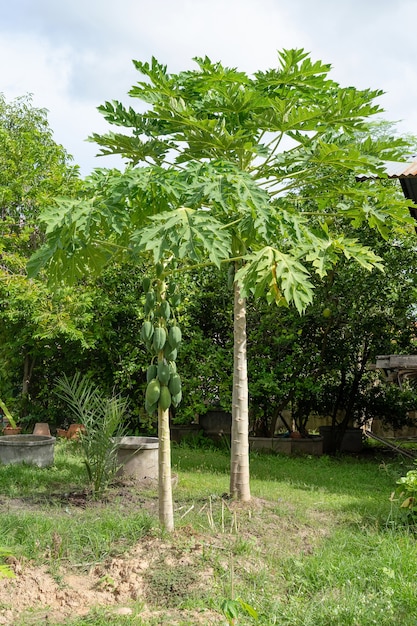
{"x":170,"y":353}
{"x":146,"y":331}
{"x":159,"y":338}
{"x":146,"y":284}
{"x":150,"y":299}
{"x":174,"y":336}
{"x":164,"y":310}
{"x":153,"y":391}
{"x":151,"y":373}
{"x":151,"y":408}
{"x":165,"y":398}
{"x":164,"y":373}
{"x":176,"y":399}
{"x":174,"y":384}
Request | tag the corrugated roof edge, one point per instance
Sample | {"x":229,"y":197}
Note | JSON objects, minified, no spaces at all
{"x":394,"y":169}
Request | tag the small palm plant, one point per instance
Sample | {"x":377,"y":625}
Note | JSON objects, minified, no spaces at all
{"x":103,"y":419}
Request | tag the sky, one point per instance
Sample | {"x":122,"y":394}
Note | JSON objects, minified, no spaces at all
{"x":73,"y":55}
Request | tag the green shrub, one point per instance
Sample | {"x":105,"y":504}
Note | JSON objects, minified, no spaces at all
{"x":408,"y":485}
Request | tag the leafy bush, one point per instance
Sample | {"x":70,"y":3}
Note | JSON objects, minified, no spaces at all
{"x":408,"y":484}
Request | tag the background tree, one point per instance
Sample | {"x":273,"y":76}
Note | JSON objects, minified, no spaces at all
{"x":319,"y":363}
{"x":225,"y":156}
{"x":206,"y":357}
{"x":33,"y":167}
{"x":33,"y":170}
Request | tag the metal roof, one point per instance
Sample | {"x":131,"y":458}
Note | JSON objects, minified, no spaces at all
{"x":406,"y":173}
{"x":393,"y":169}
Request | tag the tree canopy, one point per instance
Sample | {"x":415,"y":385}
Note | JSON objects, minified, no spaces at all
{"x":246,"y":147}
{"x":34,"y":169}
{"x":227,"y":168}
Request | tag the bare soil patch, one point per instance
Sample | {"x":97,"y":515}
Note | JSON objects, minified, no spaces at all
{"x":157,"y":576}
{"x":116,"y":583}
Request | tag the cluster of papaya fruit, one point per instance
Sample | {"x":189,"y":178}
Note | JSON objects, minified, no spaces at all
{"x":164,"y":386}
{"x":162,"y":336}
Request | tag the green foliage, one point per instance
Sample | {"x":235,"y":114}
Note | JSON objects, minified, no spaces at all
{"x":206,"y":356}
{"x":5,"y":571}
{"x":8,"y":415}
{"x":408,"y":495}
{"x":185,"y":233}
{"x":103,"y":421}
{"x":34,"y":169}
{"x":321,"y":364}
{"x":212,"y":181}
{"x":222,"y":135}
{"x":233,"y":608}
{"x":269,"y":268}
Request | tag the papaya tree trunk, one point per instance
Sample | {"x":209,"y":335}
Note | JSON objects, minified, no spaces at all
{"x":166,"y":510}
{"x":239,"y":463}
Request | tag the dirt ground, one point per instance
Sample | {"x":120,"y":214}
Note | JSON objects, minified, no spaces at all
{"x":135,"y":583}
{"x":115,"y":584}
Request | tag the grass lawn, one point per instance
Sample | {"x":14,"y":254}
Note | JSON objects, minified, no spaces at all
{"x":320,"y":544}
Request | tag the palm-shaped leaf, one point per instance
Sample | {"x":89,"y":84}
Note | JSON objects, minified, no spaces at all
{"x":185,"y":233}
{"x":278,"y":276}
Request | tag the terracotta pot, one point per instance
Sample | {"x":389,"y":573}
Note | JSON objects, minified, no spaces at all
{"x":42,"y":428}
{"x":74,"y":431}
{"x":61,"y":432}
{"x":8,"y":430}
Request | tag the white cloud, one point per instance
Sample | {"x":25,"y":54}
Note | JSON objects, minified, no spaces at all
{"x":47,"y":72}
{"x":74,"y":55}
{"x":34,"y":65}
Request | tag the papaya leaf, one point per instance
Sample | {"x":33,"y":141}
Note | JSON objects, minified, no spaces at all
{"x":187,"y":234}
{"x":230,"y":609}
{"x":278,"y":276}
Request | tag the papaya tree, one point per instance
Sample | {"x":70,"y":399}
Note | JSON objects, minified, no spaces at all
{"x":216,"y":165}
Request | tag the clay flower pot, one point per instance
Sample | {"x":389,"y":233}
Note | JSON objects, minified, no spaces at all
{"x":74,"y":431}
{"x":42,"y":428}
{"x":8,"y":430}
